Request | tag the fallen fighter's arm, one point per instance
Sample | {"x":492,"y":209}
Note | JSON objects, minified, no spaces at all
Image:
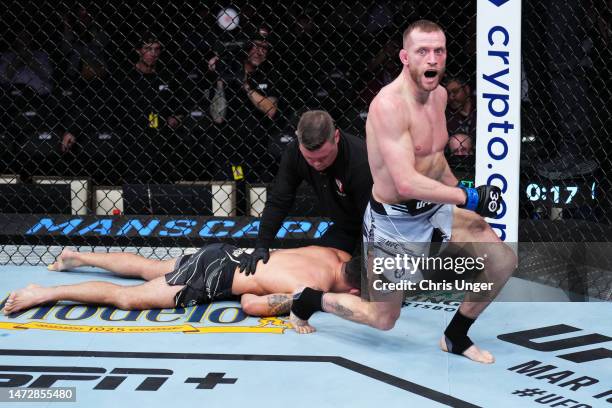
{"x":275,"y":304}
{"x":380,"y":315}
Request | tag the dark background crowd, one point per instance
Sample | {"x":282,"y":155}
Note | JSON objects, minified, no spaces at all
{"x":166,"y":92}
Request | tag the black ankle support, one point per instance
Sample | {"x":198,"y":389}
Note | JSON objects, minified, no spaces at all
{"x":457,"y":340}
{"x":306,"y":303}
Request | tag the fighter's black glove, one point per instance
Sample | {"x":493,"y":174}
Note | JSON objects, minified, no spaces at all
{"x":248,"y":263}
{"x":484,"y":200}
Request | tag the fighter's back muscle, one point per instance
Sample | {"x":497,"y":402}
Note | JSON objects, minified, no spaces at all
{"x":288,"y":268}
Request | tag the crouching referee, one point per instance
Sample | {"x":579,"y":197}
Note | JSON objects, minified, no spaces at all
{"x":335,"y":164}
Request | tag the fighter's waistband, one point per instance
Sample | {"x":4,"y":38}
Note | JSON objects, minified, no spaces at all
{"x":410,"y":207}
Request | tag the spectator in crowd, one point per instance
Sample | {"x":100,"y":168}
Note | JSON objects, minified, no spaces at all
{"x":460,"y":117}
{"x":384,"y":67}
{"x":81,"y":58}
{"x":198,"y":49}
{"x":205,"y":103}
{"x":25,"y":66}
{"x":568,"y":47}
{"x":380,"y":15}
{"x":300,"y":80}
{"x":90,"y":143}
{"x":252,"y":111}
{"x":460,"y":144}
{"x":229,"y":32}
{"x":29,"y":106}
{"x":250,"y":17}
{"x":602,"y":82}
{"x":83,"y":45}
{"x":148,"y":105}
{"x":84,"y":100}
{"x":341,"y":66}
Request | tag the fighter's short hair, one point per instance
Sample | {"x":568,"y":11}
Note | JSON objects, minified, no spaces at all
{"x":315,"y":128}
{"x":426,"y":26}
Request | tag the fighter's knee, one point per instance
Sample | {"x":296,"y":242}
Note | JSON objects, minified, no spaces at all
{"x":480,"y":227}
{"x":508,"y":261}
{"x":385,"y":321}
{"x":123,"y":300}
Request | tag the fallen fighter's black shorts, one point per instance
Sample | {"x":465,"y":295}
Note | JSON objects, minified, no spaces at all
{"x":207,"y":274}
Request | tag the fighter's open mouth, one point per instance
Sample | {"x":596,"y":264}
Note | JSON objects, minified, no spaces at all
{"x":431,"y":73}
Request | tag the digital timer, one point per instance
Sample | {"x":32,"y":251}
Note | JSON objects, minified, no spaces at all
{"x":558,"y":195}
{"x":563,"y":195}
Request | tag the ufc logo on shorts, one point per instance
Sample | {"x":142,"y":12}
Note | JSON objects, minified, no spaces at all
{"x":237,"y":252}
{"x":421,"y":204}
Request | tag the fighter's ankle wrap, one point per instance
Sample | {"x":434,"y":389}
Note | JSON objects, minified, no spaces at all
{"x":457,"y":340}
{"x":306,"y":303}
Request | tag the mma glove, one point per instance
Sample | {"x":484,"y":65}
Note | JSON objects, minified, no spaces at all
{"x":248,"y":263}
{"x":483,"y":200}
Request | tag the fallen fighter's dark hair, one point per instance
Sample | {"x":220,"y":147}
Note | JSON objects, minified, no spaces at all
{"x":352,"y":271}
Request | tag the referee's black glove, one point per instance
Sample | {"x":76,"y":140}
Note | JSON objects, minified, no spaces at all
{"x":248,"y":264}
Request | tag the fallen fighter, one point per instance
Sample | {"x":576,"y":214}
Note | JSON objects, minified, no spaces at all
{"x":205,"y":276}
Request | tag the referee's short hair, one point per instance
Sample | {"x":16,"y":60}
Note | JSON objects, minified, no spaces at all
{"x":315,"y":128}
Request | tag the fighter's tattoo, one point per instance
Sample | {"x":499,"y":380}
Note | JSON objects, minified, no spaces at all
{"x":279,"y":304}
{"x":337,"y":309}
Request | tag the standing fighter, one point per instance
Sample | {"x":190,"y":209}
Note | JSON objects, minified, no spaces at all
{"x":414,"y":193}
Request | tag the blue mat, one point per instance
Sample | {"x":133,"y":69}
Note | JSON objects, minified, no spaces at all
{"x":215,"y":356}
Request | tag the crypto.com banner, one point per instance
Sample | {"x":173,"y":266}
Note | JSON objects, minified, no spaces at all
{"x":498,"y":86}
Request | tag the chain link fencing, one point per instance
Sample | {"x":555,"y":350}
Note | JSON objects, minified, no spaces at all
{"x":184,"y":109}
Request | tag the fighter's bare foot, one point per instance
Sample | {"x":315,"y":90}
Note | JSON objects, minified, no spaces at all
{"x":299,"y":325}
{"x":472,"y":352}
{"x":25,"y":298}
{"x":65,"y":261}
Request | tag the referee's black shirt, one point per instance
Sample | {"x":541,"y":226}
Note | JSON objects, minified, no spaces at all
{"x":343,"y":189}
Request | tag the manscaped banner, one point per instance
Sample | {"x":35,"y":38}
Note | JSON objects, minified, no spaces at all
{"x":145,"y":230}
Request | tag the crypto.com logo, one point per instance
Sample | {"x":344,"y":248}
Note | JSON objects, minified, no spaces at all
{"x":498,"y":3}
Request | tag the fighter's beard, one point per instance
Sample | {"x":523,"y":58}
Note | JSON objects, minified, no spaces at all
{"x":417,"y":77}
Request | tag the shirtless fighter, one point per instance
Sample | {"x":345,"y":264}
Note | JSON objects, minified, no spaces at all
{"x":206,"y":276}
{"x":414,"y":193}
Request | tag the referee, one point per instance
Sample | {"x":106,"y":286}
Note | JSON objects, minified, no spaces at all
{"x":335,"y":164}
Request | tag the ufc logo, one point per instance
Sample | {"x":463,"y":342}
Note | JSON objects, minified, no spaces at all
{"x":526,"y":338}
{"x":421,"y":204}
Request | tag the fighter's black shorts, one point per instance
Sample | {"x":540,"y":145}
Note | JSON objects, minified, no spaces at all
{"x":207,"y":275}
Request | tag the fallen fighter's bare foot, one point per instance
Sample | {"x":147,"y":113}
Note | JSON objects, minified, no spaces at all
{"x":299,"y":325}
{"x":472,"y":352}
{"x":67,"y":260}
{"x":25,"y":298}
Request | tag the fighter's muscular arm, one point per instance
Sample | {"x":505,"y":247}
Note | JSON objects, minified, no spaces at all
{"x":448,"y":178}
{"x":276,"y":304}
{"x":391,"y":129}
